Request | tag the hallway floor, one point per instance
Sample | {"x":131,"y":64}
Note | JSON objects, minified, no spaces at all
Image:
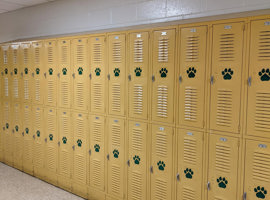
{"x":16,"y":185}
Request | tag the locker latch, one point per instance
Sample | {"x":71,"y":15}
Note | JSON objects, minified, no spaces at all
{"x":11,"y":73}
{"x":21,"y":74}
{"x":90,"y":152}
{"x":22,"y":133}
{"x":208,"y":185}
{"x":90,"y":76}
{"x":128,"y":163}
{"x":151,"y":169}
{"x":59,"y":143}
{"x":245,"y":196}
{"x":45,"y":140}
{"x":33,"y":74}
{"x":73,"y":147}
{"x":212,"y":80}
{"x":73,"y":75}
{"x":153,"y":78}
{"x":178,"y":177}
{"x":180,"y":79}
{"x":45,"y":74}
{"x":34,"y":136}
{"x":3,"y":128}
{"x":13,"y":131}
{"x":58,"y":75}
{"x":108,"y":157}
{"x":109,"y":76}
{"x":2,"y":73}
{"x":129,"y":77}
{"x":249,"y":81}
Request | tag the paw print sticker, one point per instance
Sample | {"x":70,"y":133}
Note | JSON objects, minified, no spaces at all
{"x":6,"y":71}
{"x":38,"y":133}
{"x":138,"y":71}
{"x":161,"y":165}
{"x":16,"y":128}
{"x":51,"y":137}
{"x":260,"y":192}
{"x":7,"y":125}
{"x":189,"y":173}
{"x":264,"y":74}
{"x":80,"y":70}
{"x":222,"y":182}
{"x":191,"y":72}
{"x":64,"y":71}
{"x":163,"y":72}
{"x":26,"y":70}
{"x":26,"y":130}
{"x":64,"y":140}
{"x":116,"y":72}
{"x":227,"y":74}
{"x":115,"y":153}
{"x":97,"y":148}
{"x":15,"y":71}
{"x":50,"y":71}
{"x":37,"y":71}
{"x":79,"y":142}
{"x":136,"y":160}
{"x":97,"y":71}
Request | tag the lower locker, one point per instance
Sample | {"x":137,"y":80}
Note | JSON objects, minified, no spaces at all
{"x":8,"y":146}
{"x":1,"y":134}
{"x":223,"y":167}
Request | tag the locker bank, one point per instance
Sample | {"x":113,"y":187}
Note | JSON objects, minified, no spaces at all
{"x":135,"y":100}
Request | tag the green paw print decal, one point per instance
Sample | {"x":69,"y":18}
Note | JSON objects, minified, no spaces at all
{"x":15,"y":71}
{"x":38,"y":133}
{"x":222,"y":182}
{"x":6,"y":71}
{"x":79,"y":142}
{"x":260,"y":192}
{"x":116,"y":72}
{"x":97,"y":148}
{"x":26,"y":130}
{"x":50,"y":71}
{"x":26,"y":70}
{"x":163,"y":72}
{"x":161,"y":165}
{"x":64,"y":71}
{"x":37,"y":71}
{"x":189,"y":173}
{"x":115,"y":153}
{"x":64,"y":140}
{"x":138,"y":71}
{"x":7,"y":125}
{"x":51,"y":137}
{"x":80,"y":70}
{"x":264,"y":74}
{"x":97,"y":71}
{"x":16,"y":128}
{"x":136,"y":160}
{"x":191,"y":72}
{"x":227,"y":74}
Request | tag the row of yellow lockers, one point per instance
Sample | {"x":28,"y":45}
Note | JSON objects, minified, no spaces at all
{"x":109,"y":157}
{"x":212,"y":76}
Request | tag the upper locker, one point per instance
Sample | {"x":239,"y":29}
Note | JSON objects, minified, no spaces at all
{"x":163,"y":76}
{"x":193,"y":41}
{"x":138,"y":75}
{"x":116,"y":76}
{"x":227,"y":56}
{"x":26,"y":71}
{"x":50,"y":73}
{"x":6,"y":66}
{"x":15,"y":70}
{"x":98,"y":73}
{"x":64,"y":74}
{"x":258,"y":118}
{"x":80,"y":73}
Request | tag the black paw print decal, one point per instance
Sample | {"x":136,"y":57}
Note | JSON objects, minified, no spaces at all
{"x":37,"y":71}
{"x":116,"y":72}
{"x":136,"y":160}
{"x":97,"y":71}
{"x":64,"y":71}
{"x":51,"y":137}
{"x":26,"y":70}
{"x":51,"y":71}
{"x":38,"y":133}
{"x":138,"y":71}
{"x":97,"y":148}
{"x":189,"y":173}
{"x":64,"y":140}
{"x":15,"y":71}
{"x":26,"y":130}
{"x":6,"y":71}
{"x":163,"y":72}
{"x":227,"y":74}
{"x":260,"y":192}
{"x":16,"y":128}
{"x":79,"y":142}
{"x":264,"y":74}
{"x":191,"y":72}
{"x":7,"y":125}
{"x":80,"y":70}
{"x":222,"y":182}
{"x":115,"y":153}
{"x":161,"y":165}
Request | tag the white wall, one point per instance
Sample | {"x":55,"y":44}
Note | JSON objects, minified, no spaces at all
{"x":72,"y":16}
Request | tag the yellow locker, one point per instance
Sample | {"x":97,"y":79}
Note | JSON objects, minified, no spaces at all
{"x":2,"y":73}
{"x":80,"y":147}
{"x":50,"y":73}
{"x":189,"y":164}
{"x":8,"y":146}
{"x":38,"y":136}
{"x":227,"y":57}
{"x":116,"y":157}
{"x":98,"y":73}
{"x":138,"y":75}
{"x":65,"y":148}
{"x":97,"y":152}
{"x":163,"y":75}
{"x":137,"y":160}
{"x":37,"y":72}
{"x":193,"y":49}
{"x":6,"y":71}
{"x":27,"y":139}
{"x":223,"y":167}
{"x":2,"y":136}
{"x":64,"y":74}
{"x":161,"y":162}
{"x":80,"y":74}
{"x":258,"y":119}
{"x":257,"y":170}
{"x":51,"y":140}
{"x":15,"y":70}
{"x":26,"y":71}
{"x":116,"y":74}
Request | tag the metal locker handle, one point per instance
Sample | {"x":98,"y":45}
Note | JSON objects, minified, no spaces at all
{"x":73,"y":147}
{"x":151,"y":169}
{"x":45,"y":74}
{"x":73,"y":75}
{"x":13,"y":131}
{"x":33,"y":74}
{"x":90,"y":76}
{"x":59,"y":143}
{"x":108,"y":157}
{"x":180,"y":79}
{"x":22,"y":133}
{"x":3,"y":128}
{"x":2,"y":73}
{"x":208,"y":185}
{"x":245,"y":196}
{"x":34,"y":136}
{"x":90,"y":152}
{"x":58,"y":75}
{"x":109,"y":76}
{"x":129,"y":77}
{"x":11,"y":73}
{"x":22,"y":74}
{"x":128,"y":163}
{"x":178,"y":177}
{"x":45,"y":140}
{"x":212,"y":80}
{"x":249,"y":81}
{"x":153,"y":78}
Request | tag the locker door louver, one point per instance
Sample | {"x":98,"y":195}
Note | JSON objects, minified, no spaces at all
{"x":26,"y":89}
{"x":15,"y":56}
{"x":138,"y":51}
{"x":117,"y":52}
{"x":5,"y":57}
{"x":97,"y":132}
{"x":6,"y":86}
{"x":226,"y":43}
{"x":191,"y":100}
{"x":162,"y":101}
{"x":97,"y":53}
{"x":136,"y":186}
{"x":80,"y":55}
{"x":163,"y":50}
{"x":26,"y":56}
{"x":138,"y":99}
{"x":260,"y":168}
{"x":161,"y":189}
{"x":79,"y":94}
{"x":190,"y":153}
{"x":192,"y":48}
{"x":137,"y":139}
{"x":116,"y":135}
{"x":50,"y":55}
{"x":37,"y":55}
{"x":97,"y":91}
{"x":264,"y":45}
{"x":223,"y":158}
{"x":115,"y":179}
{"x":64,"y":54}
{"x":262,"y":113}
{"x":224,"y":107}
{"x":161,"y":144}
{"x":116,"y":98}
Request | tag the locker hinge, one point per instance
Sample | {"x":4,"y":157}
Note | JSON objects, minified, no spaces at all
{"x":245,"y":196}
{"x":109,"y":76}
{"x":249,"y":81}
{"x":108,"y":157}
{"x":178,"y":177}
{"x":59,"y":143}
{"x":208,"y":186}
{"x":153,"y":78}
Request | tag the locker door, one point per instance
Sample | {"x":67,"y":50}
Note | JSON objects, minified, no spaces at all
{"x":50,"y":73}
{"x":2,"y":135}
{"x":8,"y":146}
{"x":223,"y":167}
{"x":117,"y":55}
{"x":26,"y":71}
{"x":15,"y":73}
{"x":97,"y":152}
{"x":258,"y":119}
{"x":6,"y":72}
{"x":2,"y":73}
{"x":138,"y":75}
{"x":80,"y":74}
{"x":163,"y":76}
{"x":192,"y":76}
{"x":257,"y":170}
{"x":27,"y":139}
{"x":64,"y":74}
{"x":98,"y":73}
{"x":161,"y":162}
{"x":116,"y":156}
{"x":190,"y":165}
{"x":37,"y":73}
{"x":137,"y":160}
{"x":226,"y":72}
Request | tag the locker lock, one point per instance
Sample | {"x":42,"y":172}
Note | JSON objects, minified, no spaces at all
{"x":90,"y":76}
{"x":178,"y":177}
{"x":153,"y":78}
{"x":11,"y":73}
{"x":180,"y":79}
{"x":45,"y":140}
{"x":208,"y":185}
{"x":22,"y":133}
{"x":128,"y":163}
{"x":21,"y":74}
{"x":151,"y":169}
{"x":249,"y":81}
{"x":129,"y":77}
{"x":90,"y":152}
{"x":109,"y":76}
{"x":2,"y":73}
{"x":13,"y":131}
{"x":4,"y":128}
{"x":245,"y":196}
{"x":45,"y":74}
{"x":108,"y":157}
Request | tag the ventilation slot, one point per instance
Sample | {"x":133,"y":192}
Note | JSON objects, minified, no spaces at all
{"x":97,"y":93}
{"x":80,"y":54}
{"x":191,"y":100}
{"x":5,"y":57}
{"x":161,"y":144}
{"x":261,"y":166}
{"x":37,"y":55}
{"x":51,"y":152}
{"x":163,"y":50}
{"x":226,"y":44}
{"x":96,"y":177}
{"x":117,"y":52}
{"x":65,"y":125}
{"x":6,"y":87}
{"x":116,"y":179}
{"x":64,"y":163}
{"x":37,"y":94}
{"x":64,"y":93}
{"x":264,"y":45}
{"x":188,"y":194}
{"x":97,"y":131}
{"x":136,"y":186}
{"x":190,"y":154}
{"x":97,"y":53}
{"x":138,"y":51}
{"x":137,"y":139}
{"x":80,"y":168}
{"x":25,"y":56}
{"x":38,"y":119}
{"x":161,"y":189}
{"x":51,"y":122}
{"x":138,"y":99}
{"x":26,"y":89}
{"x":79,"y":128}
{"x":51,"y":88}
{"x":224,"y":108}
{"x":262,"y":115}
{"x":64,"y":55}
{"x":116,"y":134}
{"x":50,"y":55}
{"x":79,"y":95}
{"x":162,"y":101}
{"x":223,"y":158}
{"x":15,"y":56}
{"x":116,"y":97}
{"x":192,"y":49}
